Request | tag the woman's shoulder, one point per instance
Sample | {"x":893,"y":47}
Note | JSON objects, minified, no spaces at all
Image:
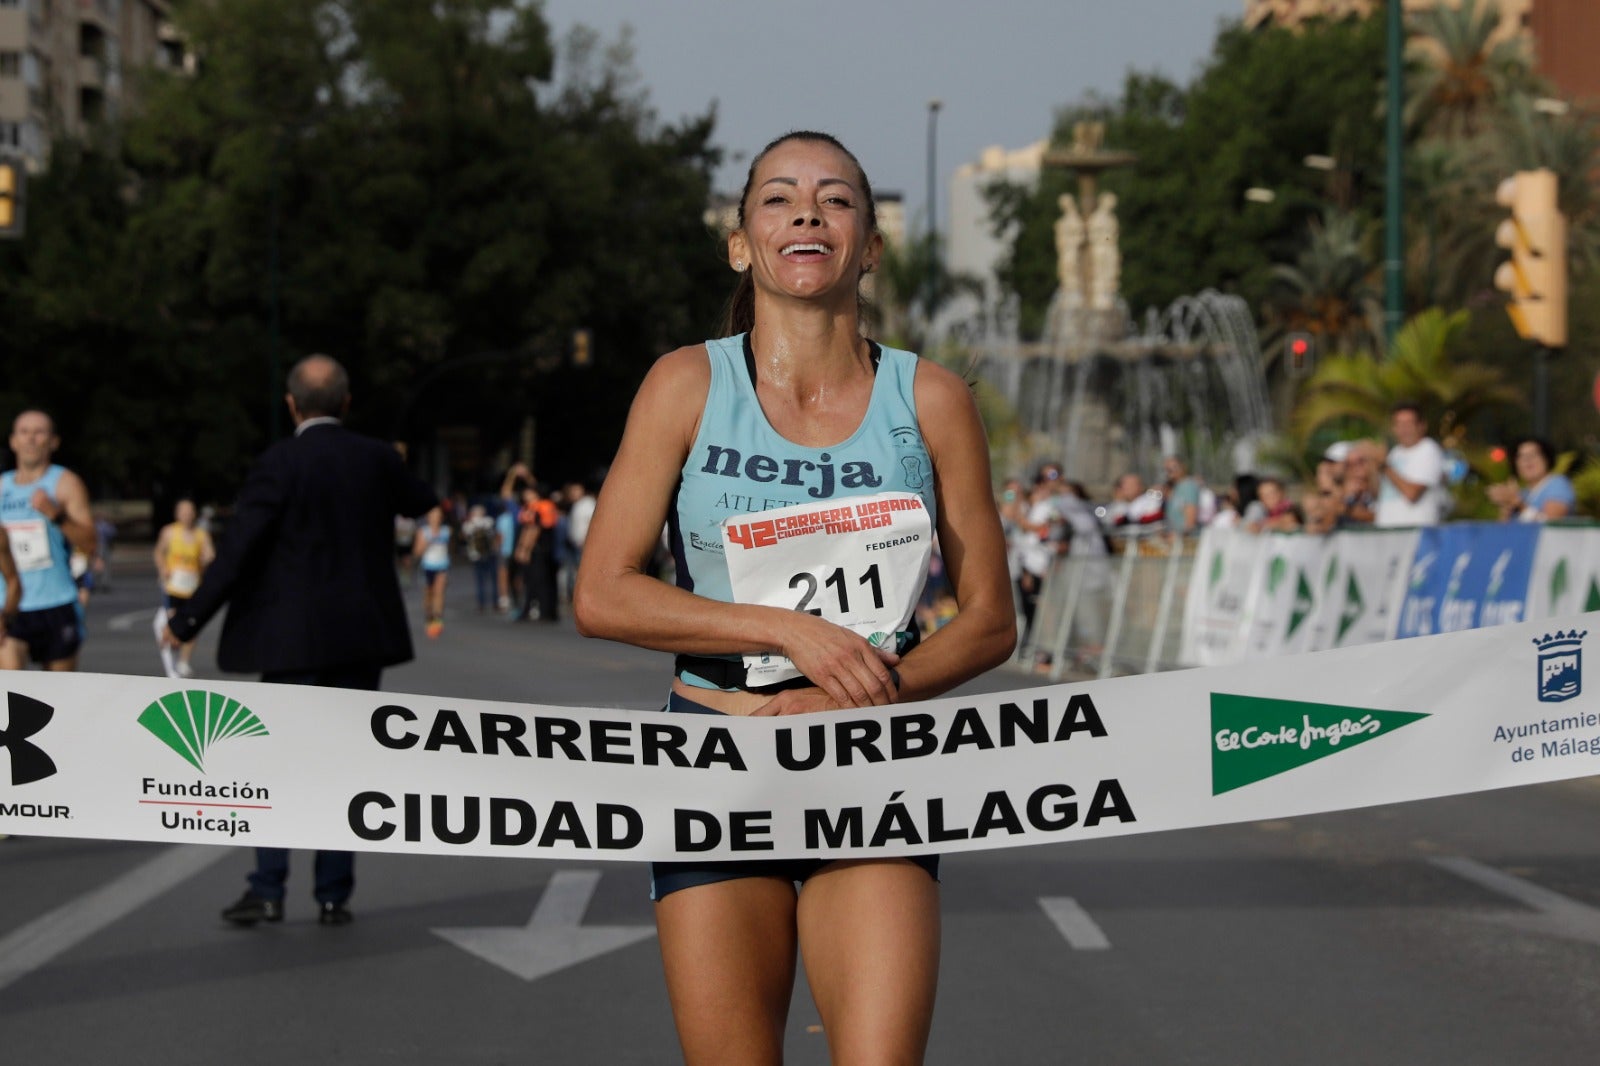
{"x":938,"y":389}
{"x":681,"y":368}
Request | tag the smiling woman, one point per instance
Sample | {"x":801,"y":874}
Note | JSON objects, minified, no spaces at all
{"x":774,"y":456}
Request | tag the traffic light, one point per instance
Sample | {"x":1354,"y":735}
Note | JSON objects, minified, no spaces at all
{"x":1299,"y":349}
{"x":13,"y":180}
{"x":1536,"y":274}
{"x":581,"y":353}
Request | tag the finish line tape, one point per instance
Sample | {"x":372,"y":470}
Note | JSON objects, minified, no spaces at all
{"x":136,"y":758}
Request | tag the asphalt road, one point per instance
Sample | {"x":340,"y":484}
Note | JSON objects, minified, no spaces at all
{"x":1463,"y":931}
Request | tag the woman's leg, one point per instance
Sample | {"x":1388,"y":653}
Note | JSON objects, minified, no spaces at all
{"x":729,"y":949}
{"x":869,"y":935}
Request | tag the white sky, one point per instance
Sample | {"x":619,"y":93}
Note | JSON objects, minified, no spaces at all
{"x":864,"y":70}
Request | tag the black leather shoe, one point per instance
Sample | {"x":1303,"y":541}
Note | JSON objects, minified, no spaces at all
{"x":334,"y":914}
{"x":252,"y":908}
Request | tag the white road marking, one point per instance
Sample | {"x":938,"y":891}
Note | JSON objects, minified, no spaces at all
{"x":41,"y":940}
{"x":553,"y":939}
{"x":121,"y":623}
{"x":1555,"y":914}
{"x":1074,"y":923}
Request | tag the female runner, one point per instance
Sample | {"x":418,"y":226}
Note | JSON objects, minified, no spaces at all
{"x":794,"y":407}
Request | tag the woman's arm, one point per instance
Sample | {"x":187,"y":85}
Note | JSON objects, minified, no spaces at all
{"x":617,"y":600}
{"x":983,"y":633}
{"x":161,"y":554}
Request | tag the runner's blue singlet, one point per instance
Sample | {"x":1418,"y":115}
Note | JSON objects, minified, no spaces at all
{"x":34,"y":540}
{"x":739,"y":464}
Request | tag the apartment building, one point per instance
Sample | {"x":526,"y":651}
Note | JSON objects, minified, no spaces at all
{"x":1564,"y":35}
{"x":64,"y":65}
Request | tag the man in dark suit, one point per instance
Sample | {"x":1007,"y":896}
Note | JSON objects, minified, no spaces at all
{"x":306,"y":566}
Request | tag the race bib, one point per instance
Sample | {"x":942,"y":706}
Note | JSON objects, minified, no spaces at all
{"x":436,"y":556}
{"x":30,"y":545}
{"x":183,"y":582}
{"x":859,"y":561}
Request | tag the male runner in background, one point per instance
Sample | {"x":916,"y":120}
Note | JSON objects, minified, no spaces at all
{"x":45,"y":510}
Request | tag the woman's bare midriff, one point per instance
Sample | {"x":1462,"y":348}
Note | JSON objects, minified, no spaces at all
{"x":741,"y":703}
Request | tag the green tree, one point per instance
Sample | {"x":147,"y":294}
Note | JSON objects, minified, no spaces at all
{"x":1460,"y":74}
{"x":434,"y":192}
{"x":1328,"y":291}
{"x":1265,"y":101}
{"x":1353,"y":392}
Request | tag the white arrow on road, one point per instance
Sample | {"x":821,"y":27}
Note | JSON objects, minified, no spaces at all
{"x":553,"y":939}
{"x":1074,"y":923}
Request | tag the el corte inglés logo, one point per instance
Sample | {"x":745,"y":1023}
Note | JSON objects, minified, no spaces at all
{"x":1254,"y":737}
{"x":190,"y":722}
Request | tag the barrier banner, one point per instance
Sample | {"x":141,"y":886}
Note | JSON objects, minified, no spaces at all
{"x":1566,"y":572}
{"x":1354,"y":598}
{"x":1281,"y":596}
{"x":1468,"y":575}
{"x":1224,"y":575}
{"x":141,"y":758}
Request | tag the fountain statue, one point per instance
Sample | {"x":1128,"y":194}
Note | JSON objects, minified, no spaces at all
{"x":1071,"y":233}
{"x":1103,"y":395}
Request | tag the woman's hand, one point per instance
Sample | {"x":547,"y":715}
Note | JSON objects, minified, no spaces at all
{"x":847,"y":669}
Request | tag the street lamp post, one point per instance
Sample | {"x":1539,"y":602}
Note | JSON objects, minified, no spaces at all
{"x":1394,"y":205}
{"x":931,"y":282}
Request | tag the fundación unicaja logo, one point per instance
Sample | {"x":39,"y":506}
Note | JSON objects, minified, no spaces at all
{"x":190,"y":722}
{"x":1560,"y":665}
{"x":1255,"y":737}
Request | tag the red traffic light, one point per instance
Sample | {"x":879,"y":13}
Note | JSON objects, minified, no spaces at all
{"x":1299,"y":349}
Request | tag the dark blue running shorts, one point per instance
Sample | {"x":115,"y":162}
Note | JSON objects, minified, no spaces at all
{"x":51,"y":633}
{"x":669,"y":877}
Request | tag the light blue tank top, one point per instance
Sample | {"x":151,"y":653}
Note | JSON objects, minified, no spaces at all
{"x":47,"y":586}
{"x":436,"y":556}
{"x":740,"y":465}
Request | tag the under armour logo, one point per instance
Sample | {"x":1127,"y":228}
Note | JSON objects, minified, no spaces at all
{"x":28,"y":716}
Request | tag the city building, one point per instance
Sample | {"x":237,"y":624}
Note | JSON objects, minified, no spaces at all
{"x":970,"y":245}
{"x":1563,"y":35}
{"x":64,"y":65}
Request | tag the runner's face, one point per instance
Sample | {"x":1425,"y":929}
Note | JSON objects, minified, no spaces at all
{"x":33,"y":438}
{"x":184,"y":513}
{"x":805,"y":231}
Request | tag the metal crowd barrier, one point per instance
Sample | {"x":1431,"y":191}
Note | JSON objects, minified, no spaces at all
{"x":1104,"y":615}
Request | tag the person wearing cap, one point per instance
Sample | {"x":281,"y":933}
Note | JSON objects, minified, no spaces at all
{"x":1324,"y":504}
{"x":1360,"y":483}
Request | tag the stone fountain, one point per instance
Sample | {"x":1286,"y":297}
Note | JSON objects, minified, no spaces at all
{"x":1103,"y":394}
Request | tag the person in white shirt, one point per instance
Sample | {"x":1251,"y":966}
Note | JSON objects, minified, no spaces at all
{"x":1411,"y":480}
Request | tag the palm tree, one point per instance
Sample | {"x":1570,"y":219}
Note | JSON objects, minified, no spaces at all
{"x":901,"y":290}
{"x":1459,"y":72}
{"x":1357,"y":390}
{"x":1328,"y":292}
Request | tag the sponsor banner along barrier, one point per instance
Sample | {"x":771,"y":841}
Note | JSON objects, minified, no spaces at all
{"x":1254,"y":595}
{"x":141,"y":758}
{"x":1258,"y":595}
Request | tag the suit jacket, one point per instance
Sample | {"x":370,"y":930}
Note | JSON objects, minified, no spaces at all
{"x":306,"y":565}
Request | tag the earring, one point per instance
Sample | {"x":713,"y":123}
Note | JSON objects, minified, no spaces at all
{"x":738,"y":264}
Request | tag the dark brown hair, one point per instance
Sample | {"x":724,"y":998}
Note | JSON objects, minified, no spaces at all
{"x":740,"y":316}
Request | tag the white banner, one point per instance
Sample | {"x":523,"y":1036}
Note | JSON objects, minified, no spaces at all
{"x":1220,"y":585}
{"x":1360,"y":573}
{"x":1566,"y":572}
{"x":137,"y":758}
